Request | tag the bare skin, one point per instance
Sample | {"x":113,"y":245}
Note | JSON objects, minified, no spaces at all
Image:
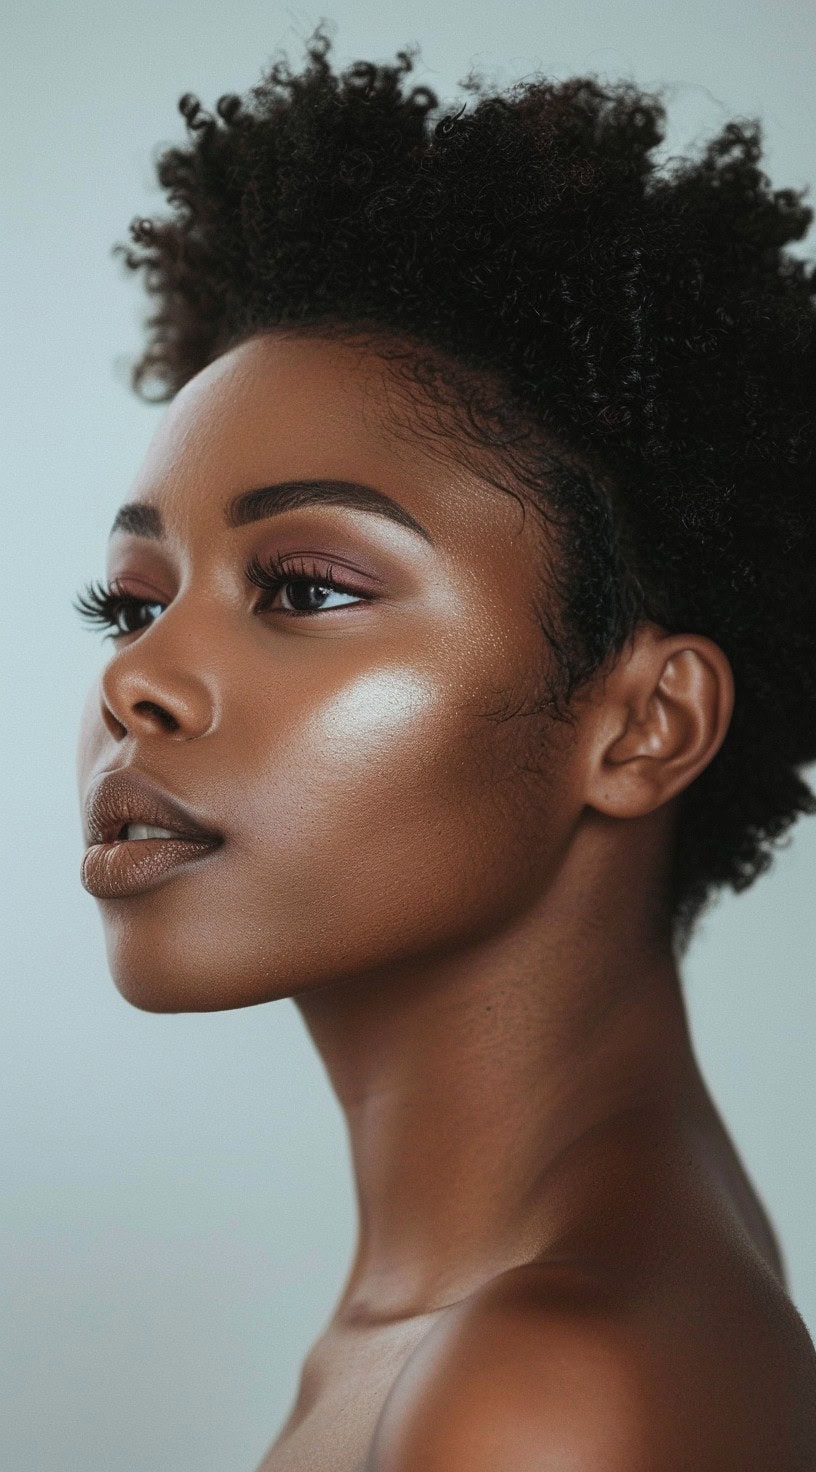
{"x":463,"y":899}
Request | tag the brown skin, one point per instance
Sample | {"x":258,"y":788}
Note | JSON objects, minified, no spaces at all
{"x":466,"y":911}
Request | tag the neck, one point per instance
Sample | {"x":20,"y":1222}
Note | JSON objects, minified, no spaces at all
{"x":464,"y":1082}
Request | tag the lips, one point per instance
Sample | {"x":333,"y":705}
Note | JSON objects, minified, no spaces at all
{"x":127,"y":796}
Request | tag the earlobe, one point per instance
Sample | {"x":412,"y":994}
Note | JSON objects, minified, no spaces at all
{"x":668,"y":706}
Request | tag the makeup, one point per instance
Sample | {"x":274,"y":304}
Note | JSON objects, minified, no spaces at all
{"x":132,"y":866}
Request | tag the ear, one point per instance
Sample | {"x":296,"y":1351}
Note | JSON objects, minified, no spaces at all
{"x":662,"y":716}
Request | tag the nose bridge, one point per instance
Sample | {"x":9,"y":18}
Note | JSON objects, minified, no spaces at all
{"x":166,"y":678}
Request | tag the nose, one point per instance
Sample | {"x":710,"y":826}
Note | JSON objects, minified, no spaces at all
{"x":145,"y":691}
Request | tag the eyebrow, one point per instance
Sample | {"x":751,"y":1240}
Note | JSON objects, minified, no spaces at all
{"x":143,"y":520}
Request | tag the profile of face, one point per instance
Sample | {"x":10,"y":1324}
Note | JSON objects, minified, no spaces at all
{"x":362,"y":737}
{"x":337,"y":666}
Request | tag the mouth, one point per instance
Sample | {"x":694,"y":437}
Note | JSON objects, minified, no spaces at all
{"x":138,"y":836}
{"x":126,"y":806}
{"x":138,"y":832}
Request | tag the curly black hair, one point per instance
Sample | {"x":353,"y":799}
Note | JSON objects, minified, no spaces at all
{"x":633,"y":338}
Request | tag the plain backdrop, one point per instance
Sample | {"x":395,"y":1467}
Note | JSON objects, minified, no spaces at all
{"x":177,"y":1208}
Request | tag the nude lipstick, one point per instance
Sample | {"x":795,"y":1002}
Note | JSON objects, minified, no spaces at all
{"x":138,"y":835}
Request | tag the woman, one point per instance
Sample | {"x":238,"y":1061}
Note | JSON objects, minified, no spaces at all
{"x":464,"y":649}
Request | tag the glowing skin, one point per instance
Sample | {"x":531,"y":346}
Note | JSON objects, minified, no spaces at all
{"x":461,"y":897}
{"x":347,"y":756}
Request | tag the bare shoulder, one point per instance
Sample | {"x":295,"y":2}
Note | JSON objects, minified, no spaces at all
{"x":541,"y":1371}
{"x":515,"y":1386}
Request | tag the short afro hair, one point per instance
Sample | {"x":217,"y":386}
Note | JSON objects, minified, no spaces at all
{"x":644,"y":319}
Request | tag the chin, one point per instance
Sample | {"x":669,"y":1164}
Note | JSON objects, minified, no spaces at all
{"x":150,"y":990}
{"x":151,"y":993}
{"x":163,"y":982}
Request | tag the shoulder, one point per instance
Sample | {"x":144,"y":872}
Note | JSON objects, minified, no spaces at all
{"x":504,"y":1381}
{"x":539,"y":1373}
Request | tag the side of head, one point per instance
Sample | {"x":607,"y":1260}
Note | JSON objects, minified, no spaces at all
{"x":631,"y":347}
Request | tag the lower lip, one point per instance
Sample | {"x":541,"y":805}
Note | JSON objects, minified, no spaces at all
{"x":110,"y":871}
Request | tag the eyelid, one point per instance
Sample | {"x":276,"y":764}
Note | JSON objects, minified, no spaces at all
{"x":306,"y":567}
{"x":142,"y":590}
{"x":347,"y":564}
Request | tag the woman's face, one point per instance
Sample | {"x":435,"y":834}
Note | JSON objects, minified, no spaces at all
{"x":382,"y":791}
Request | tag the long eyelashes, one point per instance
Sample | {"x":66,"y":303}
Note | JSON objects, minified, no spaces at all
{"x":103,"y":605}
{"x":274,"y":573}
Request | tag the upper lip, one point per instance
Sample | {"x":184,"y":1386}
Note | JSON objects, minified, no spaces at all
{"x":127,"y":796}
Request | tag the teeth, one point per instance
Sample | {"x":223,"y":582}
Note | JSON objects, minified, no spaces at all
{"x":146,"y":830}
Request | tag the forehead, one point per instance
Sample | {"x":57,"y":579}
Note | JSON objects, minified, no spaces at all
{"x":283,"y":407}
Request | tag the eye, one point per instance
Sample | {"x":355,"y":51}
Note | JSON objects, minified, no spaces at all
{"x":105,"y":606}
{"x":301,"y":584}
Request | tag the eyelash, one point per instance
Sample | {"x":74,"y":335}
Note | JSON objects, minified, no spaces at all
{"x":101,"y":604}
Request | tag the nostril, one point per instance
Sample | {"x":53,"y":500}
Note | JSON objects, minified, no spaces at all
{"x":165,"y":718}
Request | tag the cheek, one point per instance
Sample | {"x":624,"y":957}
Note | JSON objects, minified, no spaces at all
{"x":382,"y":721}
{"x":395,"y":753}
{"x":396,"y":821}
{"x":363,"y":789}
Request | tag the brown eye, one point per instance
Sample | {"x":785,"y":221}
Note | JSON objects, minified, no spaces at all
{"x":305,"y":586}
{"x":107,"y":608}
{"x":131,"y":611}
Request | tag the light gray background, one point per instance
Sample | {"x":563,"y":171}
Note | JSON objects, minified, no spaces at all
{"x":177,"y":1207}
